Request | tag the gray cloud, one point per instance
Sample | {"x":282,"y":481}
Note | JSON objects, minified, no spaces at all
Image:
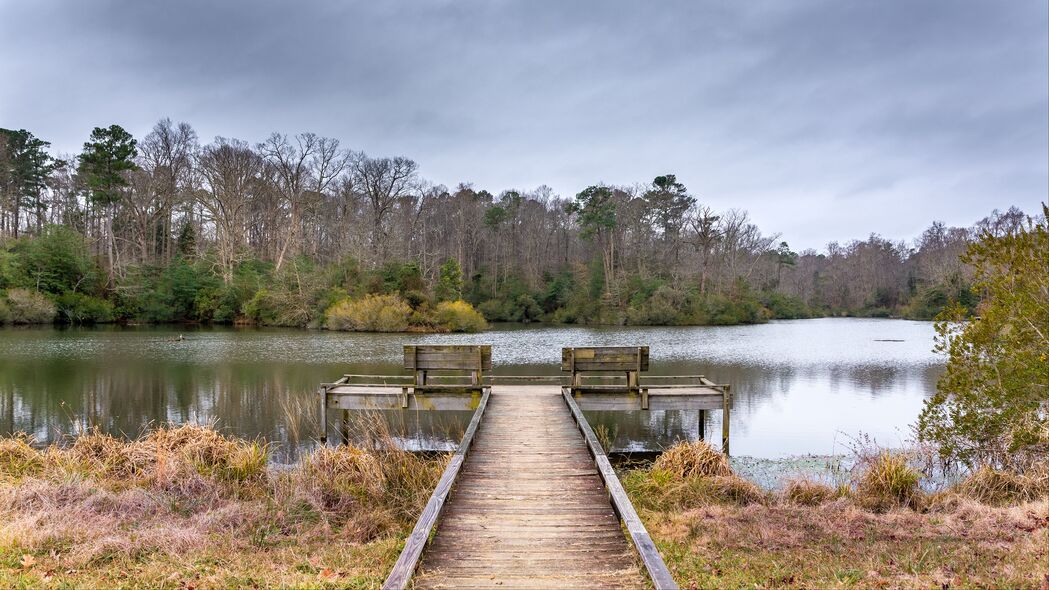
{"x":827,"y":120}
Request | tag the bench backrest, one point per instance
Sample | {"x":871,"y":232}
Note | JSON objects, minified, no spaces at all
{"x":474,"y":360}
{"x":621,"y":359}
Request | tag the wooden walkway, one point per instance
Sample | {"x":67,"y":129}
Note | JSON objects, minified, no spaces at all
{"x":529,"y":508}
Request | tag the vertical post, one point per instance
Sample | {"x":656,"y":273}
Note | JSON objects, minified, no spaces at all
{"x":702,"y":424}
{"x":576,"y":378}
{"x":324,"y":415}
{"x":344,"y":428}
{"x":725,"y":418}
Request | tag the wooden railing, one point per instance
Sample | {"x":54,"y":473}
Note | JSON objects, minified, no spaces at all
{"x":408,"y":561}
{"x":646,"y":548}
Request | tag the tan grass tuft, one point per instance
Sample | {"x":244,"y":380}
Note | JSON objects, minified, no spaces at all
{"x":18,"y":458}
{"x":888,"y":481}
{"x":1000,"y":487}
{"x":693,"y":459}
{"x":803,"y":492}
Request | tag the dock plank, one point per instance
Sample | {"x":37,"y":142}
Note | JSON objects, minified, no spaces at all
{"x":529,"y":508}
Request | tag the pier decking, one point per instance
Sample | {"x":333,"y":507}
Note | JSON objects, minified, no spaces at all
{"x":529,"y":509}
{"x":529,"y":499}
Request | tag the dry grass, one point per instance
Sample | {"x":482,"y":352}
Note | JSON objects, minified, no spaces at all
{"x":687,"y":475}
{"x":999,"y":487}
{"x":803,"y":492}
{"x":888,"y":481}
{"x":187,"y":506}
{"x":693,"y":459}
{"x":841,"y":545}
{"x":715,"y":532}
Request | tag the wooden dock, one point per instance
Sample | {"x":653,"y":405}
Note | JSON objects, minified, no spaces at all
{"x":529,"y":499}
{"x":529,"y":508}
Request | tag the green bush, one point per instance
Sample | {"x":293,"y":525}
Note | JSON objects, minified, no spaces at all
{"x":5,"y":312}
{"x":785,"y":307}
{"x":663,"y":308}
{"x":78,"y":308}
{"x":459,"y":316}
{"x":260,"y":308}
{"x":372,"y":313}
{"x":30,"y":307}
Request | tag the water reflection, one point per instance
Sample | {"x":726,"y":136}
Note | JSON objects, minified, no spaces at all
{"x":800,"y":386}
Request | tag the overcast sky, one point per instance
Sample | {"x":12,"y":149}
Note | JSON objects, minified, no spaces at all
{"x":825,"y":119}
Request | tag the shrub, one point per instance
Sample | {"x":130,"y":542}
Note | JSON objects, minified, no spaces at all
{"x":30,"y":307}
{"x":663,"y":308}
{"x":78,"y":308}
{"x":888,"y":481}
{"x":989,"y":407}
{"x":373,"y":313}
{"x":459,"y":316}
{"x":5,"y":312}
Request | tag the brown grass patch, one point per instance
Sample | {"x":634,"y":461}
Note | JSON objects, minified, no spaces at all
{"x":1000,"y":487}
{"x":693,"y":459}
{"x":888,"y":481}
{"x":804,"y":492}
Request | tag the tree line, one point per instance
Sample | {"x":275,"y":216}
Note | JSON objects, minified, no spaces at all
{"x":165,"y":228}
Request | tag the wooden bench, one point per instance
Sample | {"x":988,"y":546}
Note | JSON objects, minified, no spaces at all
{"x":629,"y":361}
{"x":442,"y":374}
{"x":613,"y":373}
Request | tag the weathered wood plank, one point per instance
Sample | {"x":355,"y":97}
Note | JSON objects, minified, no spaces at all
{"x":529,"y":509}
{"x":657,"y":569}
{"x":657,"y":400}
{"x":409,"y":558}
{"x":605,"y":358}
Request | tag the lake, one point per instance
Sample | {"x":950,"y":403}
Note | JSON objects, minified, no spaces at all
{"x":800,"y":386}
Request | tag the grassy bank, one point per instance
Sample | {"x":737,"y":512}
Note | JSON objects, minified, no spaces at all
{"x":188,"y":507}
{"x":880,"y":530}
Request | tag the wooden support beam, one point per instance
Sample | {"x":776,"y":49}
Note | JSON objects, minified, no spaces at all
{"x":725,"y":419}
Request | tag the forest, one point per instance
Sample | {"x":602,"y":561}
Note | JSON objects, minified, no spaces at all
{"x":299,"y":231}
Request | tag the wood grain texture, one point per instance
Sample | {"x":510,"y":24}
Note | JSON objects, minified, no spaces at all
{"x":408,"y":560}
{"x":529,"y":509}
{"x":656,"y":568}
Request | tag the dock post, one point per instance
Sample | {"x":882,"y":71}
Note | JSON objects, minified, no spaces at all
{"x":726,"y":405}
{"x":344,"y":428}
{"x":324,"y":415}
{"x":702,"y":424}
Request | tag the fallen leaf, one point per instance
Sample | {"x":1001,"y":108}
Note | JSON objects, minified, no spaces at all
{"x":28,"y":561}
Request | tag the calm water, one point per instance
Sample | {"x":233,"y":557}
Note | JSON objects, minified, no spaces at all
{"x":804,"y":386}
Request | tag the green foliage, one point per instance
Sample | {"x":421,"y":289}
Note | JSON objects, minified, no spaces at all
{"x":29,"y":307}
{"x":449,"y":282}
{"x":58,"y":261}
{"x":24,"y":167}
{"x":596,"y":209}
{"x":992,"y":402}
{"x":930,"y":300}
{"x":459,"y":316}
{"x":371,"y":313}
{"x":78,"y":308}
{"x":106,"y":157}
{"x":664,"y":307}
{"x":785,"y":307}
